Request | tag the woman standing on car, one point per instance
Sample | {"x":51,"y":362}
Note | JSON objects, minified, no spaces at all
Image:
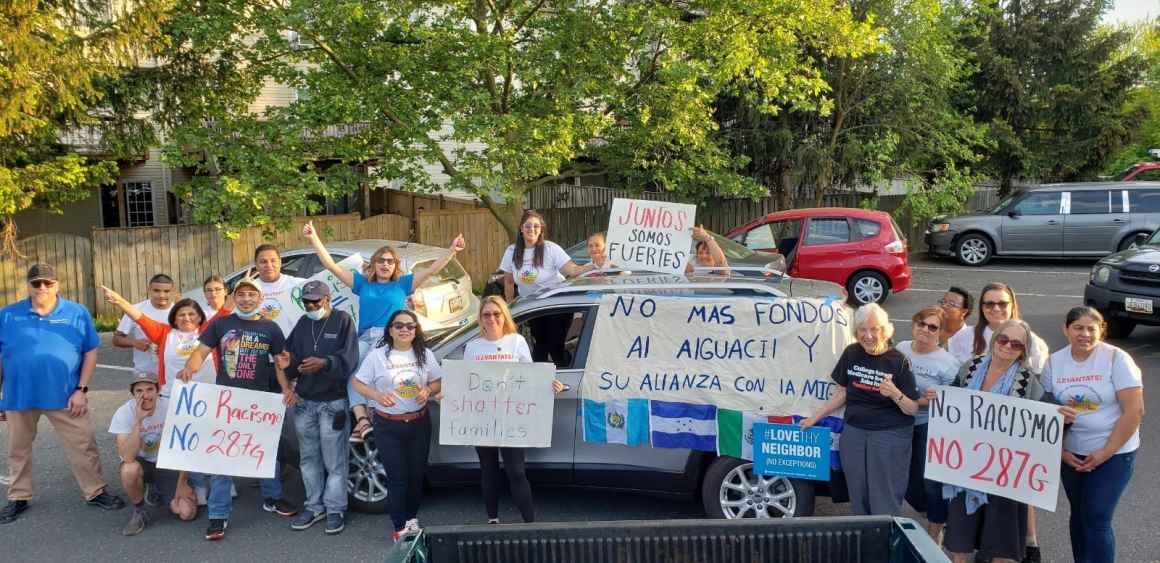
{"x":931,"y":366}
{"x":532,"y":264}
{"x":499,"y":342}
{"x":877,"y":386}
{"x":382,"y":290}
{"x":706,"y":254}
{"x":1103,"y":385}
{"x":397,"y":378}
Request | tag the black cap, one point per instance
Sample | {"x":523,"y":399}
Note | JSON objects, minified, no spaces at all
{"x":41,"y":272}
{"x":315,"y":290}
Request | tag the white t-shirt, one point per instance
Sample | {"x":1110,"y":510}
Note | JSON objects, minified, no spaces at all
{"x":178,"y":347}
{"x":271,"y":307}
{"x":510,"y":348}
{"x":530,"y":279}
{"x":1090,"y":386}
{"x":961,"y":346}
{"x":151,"y":426}
{"x":930,"y":369}
{"x":399,"y":374}
{"x":143,"y":361}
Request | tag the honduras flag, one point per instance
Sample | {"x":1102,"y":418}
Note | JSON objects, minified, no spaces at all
{"x":683,"y":425}
{"x":616,"y":422}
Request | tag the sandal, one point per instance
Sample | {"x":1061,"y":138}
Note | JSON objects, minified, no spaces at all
{"x":361,"y":430}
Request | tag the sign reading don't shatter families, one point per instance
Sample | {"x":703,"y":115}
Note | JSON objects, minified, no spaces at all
{"x":497,"y":404}
{"x":650,"y":235}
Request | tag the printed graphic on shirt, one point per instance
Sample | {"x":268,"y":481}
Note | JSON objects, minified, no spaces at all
{"x":499,"y":356}
{"x":270,"y":309}
{"x":151,"y":437}
{"x":241,"y":351}
{"x":185,"y":345}
{"x":865,"y":378}
{"x":528,"y":275}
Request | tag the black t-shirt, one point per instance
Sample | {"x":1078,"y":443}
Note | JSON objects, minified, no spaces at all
{"x":246,"y":350}
{"x":860,"y":373}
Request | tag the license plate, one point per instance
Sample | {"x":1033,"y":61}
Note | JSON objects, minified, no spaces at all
{"x":456,"y":304}
{"x":1135,"y":305}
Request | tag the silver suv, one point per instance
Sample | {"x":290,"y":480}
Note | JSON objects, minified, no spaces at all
{"x":723,"y":484}
{"x":1051,"y":221}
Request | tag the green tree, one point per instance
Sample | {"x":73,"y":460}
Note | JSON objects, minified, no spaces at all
{"x":543,"y":91}
{"x":59,"y":66}
{"x":1141,"y":111}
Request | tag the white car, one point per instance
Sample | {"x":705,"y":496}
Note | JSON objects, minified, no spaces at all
{"x":444,"y":302}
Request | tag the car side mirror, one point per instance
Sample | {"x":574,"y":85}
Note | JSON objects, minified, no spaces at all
{"x":1140,"y":239}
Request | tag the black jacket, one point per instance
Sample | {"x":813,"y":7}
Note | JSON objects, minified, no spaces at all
{"x":332,"y":339}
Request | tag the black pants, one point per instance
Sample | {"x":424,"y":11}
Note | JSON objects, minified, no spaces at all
{"x":403,"y":448}
{"x":513,"y":465}
{"x":548,"y":334}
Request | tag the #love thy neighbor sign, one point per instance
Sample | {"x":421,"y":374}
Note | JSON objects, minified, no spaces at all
{"x":650,"y":235}
{"x":221,"y":430}
{"x":995,"y":444}
{"x":497,"y":404}
{"x":787,"y":450}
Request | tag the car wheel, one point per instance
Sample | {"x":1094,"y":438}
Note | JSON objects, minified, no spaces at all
{"x":366,"y":483}
{"x":1119,"y":328}
{"x":1128,"y":242}
{"x":867,"y":287}
{"x":732,"y":490}
{"x":974,"y":250}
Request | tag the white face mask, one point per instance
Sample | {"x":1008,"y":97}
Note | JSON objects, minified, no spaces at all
{"x":317,"y":314}
{"x":248,"y":316}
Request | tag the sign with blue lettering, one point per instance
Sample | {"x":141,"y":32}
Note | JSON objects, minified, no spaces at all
{"x":789,"y":451}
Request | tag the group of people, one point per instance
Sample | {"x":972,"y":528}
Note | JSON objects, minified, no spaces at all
{"x":886,"y":389}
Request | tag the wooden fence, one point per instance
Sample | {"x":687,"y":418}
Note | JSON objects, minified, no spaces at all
{"x":72,"y":256}
{"x":486,"y":238}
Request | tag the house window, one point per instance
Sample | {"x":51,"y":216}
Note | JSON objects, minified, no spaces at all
{"x":139,"y":204}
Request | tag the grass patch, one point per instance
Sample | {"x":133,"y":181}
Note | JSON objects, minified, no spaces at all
{"x":106,"y":323}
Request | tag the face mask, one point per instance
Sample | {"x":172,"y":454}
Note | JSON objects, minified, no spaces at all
{"x":247,"y":316}
{"x":317,"y":314}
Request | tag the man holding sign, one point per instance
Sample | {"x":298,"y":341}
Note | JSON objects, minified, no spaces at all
{"x":246,"y":343}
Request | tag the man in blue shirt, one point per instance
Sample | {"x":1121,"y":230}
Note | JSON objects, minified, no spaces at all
{"x":48,"y":349}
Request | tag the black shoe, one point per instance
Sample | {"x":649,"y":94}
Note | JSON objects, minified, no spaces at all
{"x":216,"y":529}
{"x":12,"y":510}
{"x":1032,"y":555}
{"x":107,"y":501}
{"x":279,"y":507}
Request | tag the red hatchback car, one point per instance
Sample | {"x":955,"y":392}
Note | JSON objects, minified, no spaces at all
{"x":861,"y":249}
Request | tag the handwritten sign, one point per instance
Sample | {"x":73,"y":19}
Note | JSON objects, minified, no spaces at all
{"x":342,"y":297}
{"x":498,"y":404}
{"x":995,"y":444}
{"x":765,"y":356}
{"x":656,"y":236}
{"x":221,"y":430}
{"x":787,"y":450}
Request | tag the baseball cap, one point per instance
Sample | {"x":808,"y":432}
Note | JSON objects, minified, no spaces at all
{"x":142,"y":377}
{"x":247,"y":280}
{"x":314,"y":290}
{"x":41,"y":272}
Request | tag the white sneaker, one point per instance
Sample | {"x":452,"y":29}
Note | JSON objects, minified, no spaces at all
{"x":412,"y":526}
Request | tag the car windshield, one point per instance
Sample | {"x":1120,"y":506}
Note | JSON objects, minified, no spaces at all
{"x":450,"y":273}
{"x":1155,"y":238}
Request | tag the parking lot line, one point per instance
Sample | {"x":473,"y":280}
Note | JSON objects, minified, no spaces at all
{"x":117,"y":368}
{"x":1021,"y":294}
{"x":1048,"y":272}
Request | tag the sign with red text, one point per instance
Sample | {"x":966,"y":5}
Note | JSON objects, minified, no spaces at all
{"x":654,"y":236}
{"x":995,"y":444}
{"x":221,"y":430}
{"x":497,"y":404}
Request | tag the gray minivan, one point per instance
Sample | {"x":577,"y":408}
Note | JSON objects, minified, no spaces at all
{"x":1090,"y":219}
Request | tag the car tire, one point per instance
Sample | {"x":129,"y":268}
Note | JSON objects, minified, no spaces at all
{"x":366,"y":483}
{"x":1119,"y":328}
{"x":731,"y":480}
{"x":867,"y":287}
{"x":974,"y":250}
{"x":1127,"y":242}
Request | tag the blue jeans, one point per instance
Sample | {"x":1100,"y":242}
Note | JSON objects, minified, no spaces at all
{"x":1093,"y":497}
{"x":221,"y":503}
{"x":403,"y":449}
{"x":322,"y":454}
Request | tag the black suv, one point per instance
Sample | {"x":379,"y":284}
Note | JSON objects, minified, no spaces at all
{"x":1125,"y":286}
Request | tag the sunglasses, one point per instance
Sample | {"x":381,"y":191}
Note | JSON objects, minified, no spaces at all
{"x":311,"y":302}
{"x":1012,"y":343}
{"x":216,"y":290}
{"x":408,"y":327}
{"x":41,"y":283}
{"x":948,"y":303}
{"x":492,"y":314}
{"x":385,"y":260}
{"x":996,"y":304}
{"x":929,"y":327}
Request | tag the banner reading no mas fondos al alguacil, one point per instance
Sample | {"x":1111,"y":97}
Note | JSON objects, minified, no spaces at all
{"x":767,"y":356}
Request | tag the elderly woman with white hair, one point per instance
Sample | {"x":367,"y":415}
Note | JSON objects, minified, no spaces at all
{"x":877,"y":387}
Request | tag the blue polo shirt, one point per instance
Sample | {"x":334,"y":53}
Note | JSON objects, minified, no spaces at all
{"x":42,"y":355}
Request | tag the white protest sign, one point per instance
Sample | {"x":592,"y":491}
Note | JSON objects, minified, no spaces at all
{"x":342,"y":297}
{"x":221,"y":430}
{"x":655,"y":236}
{"x":498,"y":404}
{"x":995,"y":444}
{"x":771,"y":356}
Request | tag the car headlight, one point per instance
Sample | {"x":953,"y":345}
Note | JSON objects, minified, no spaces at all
{"x":940,"y":227}
{"x":1101,"y":274}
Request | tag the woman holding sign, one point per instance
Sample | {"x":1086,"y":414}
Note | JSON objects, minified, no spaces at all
{"x":382,"y":290}
{"x":878,"y":389}
{"x":1102,"y":386}
{"x":499,"y":342}
{"x":993,"y":525}
{"x":397,"y":378}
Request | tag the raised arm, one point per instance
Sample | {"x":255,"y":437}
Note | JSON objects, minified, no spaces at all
{"x":571,"y":269}
{"x":324,"y":255}
{"x":122,"y":303}
{"x":715,"y":252}
{"x":457,"y":246}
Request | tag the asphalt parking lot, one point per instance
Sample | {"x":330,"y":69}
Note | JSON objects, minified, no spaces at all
{"x":59,"y":527}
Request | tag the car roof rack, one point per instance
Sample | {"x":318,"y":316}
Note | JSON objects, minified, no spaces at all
{"x":646,"y":281}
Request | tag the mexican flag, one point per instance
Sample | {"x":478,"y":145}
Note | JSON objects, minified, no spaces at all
{"x":735,"y":432}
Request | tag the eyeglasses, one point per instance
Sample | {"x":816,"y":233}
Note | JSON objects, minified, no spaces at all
{"x":491,"y":315}
{"x":1012,"y":343}
{"x":929,"y":327}
{"x":996,"y":304}
{"x":408,"y":327}
{"x":41,"y":283}
{"x":532,"y":226}
{"x":948,"y":303}
{"x":385,"y":260}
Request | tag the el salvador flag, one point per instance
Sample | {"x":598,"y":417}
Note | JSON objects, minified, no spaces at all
{"x":683,"y":425}
{"x":616,"y":422}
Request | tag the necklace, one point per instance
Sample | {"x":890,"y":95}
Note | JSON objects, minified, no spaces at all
{"x":316,"y":337}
